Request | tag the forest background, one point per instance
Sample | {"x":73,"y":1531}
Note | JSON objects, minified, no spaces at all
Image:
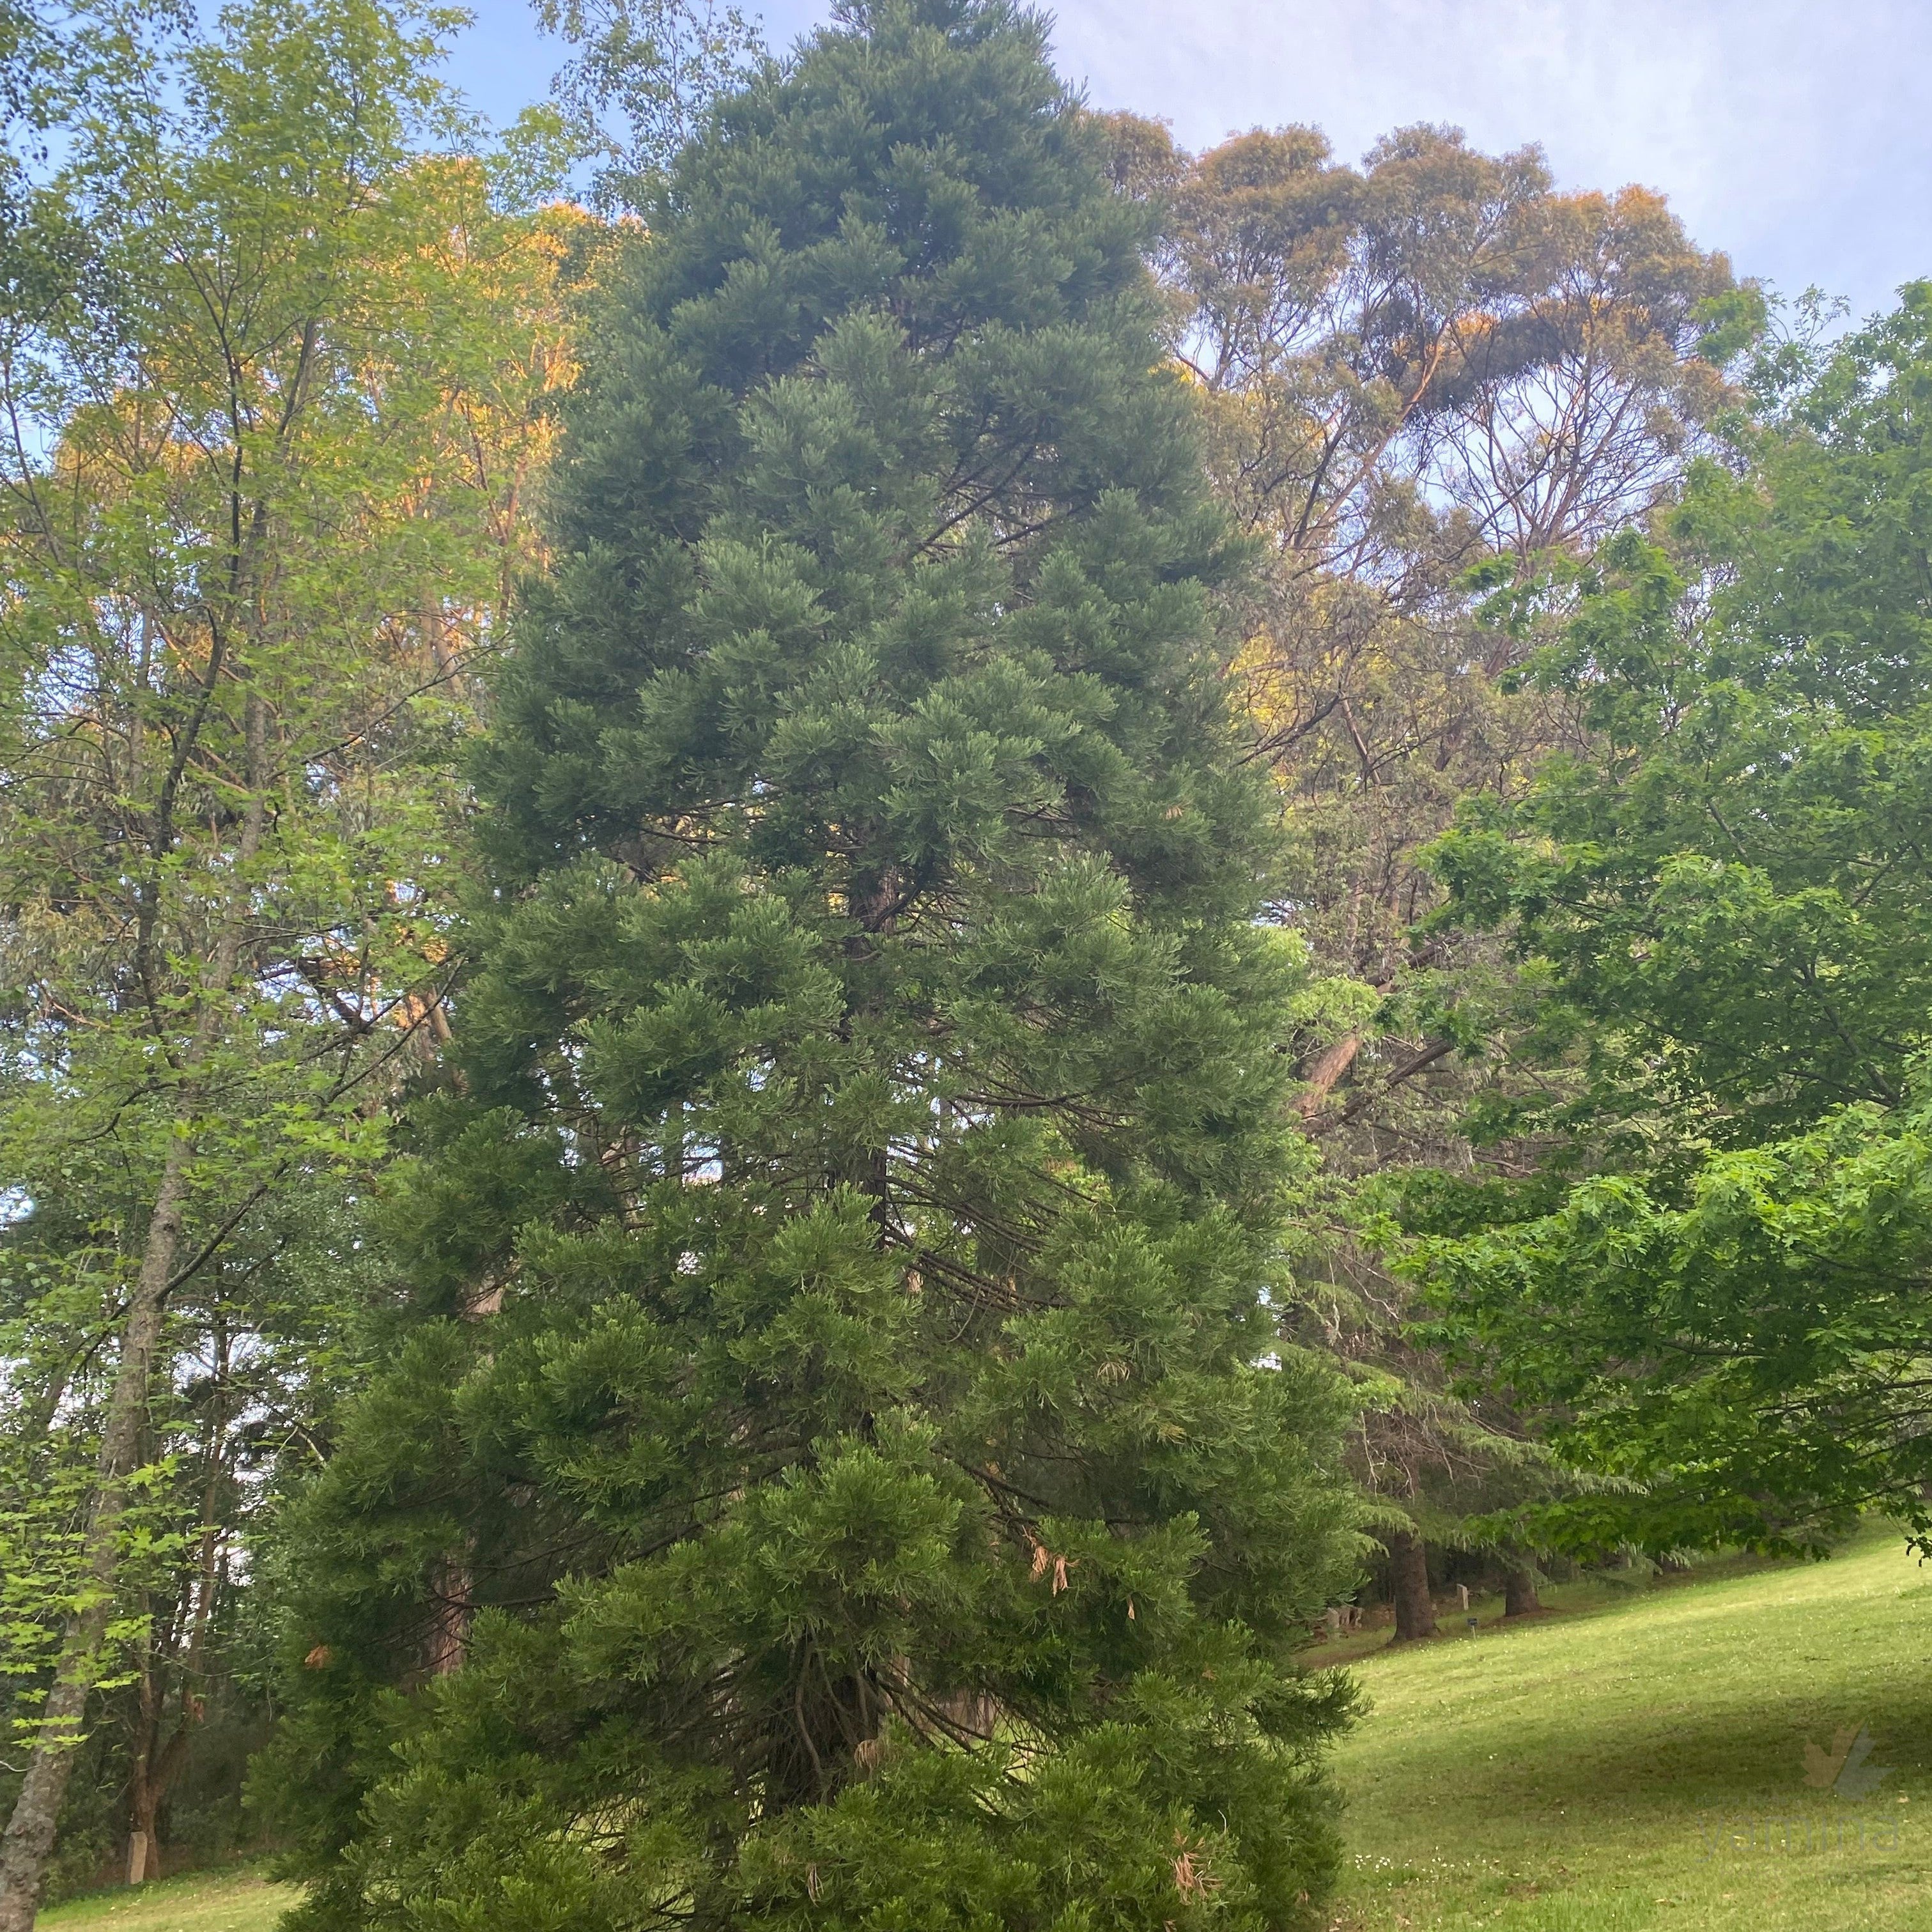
{"x":1575,"y":610}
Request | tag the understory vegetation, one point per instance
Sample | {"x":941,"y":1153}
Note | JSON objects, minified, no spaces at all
{"x":860,"y":948}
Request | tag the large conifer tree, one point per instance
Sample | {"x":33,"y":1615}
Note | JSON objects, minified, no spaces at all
{"x":839,"y":1468}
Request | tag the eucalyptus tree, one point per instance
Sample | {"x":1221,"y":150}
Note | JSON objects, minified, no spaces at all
{"x":1430,"y":366}
{"x":1434,"y":384}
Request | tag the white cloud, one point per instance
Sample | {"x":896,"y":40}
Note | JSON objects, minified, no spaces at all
{"x":1795,"y":134}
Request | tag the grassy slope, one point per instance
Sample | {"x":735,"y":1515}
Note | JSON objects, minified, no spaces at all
{"x":230,"y":1901}
{"x":1644,"y":1764}
{"x":1593,"y":1772}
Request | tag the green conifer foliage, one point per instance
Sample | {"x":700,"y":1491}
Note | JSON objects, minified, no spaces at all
{"x":842,"y":1430}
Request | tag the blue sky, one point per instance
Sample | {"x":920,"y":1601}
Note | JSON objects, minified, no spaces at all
{"x":1794,"y":134}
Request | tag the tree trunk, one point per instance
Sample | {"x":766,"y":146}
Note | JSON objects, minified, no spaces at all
{"x":144,"y":1798}
{"x":144,"y":1850}
{"x":1330,"y":1066}
{"x":448,"y":1642}
{"x":28,"y":1841}
{"x":157,"y":1763}
{"x":452,"y":1581}
{"x":1519,"y":1597}
{"x":1408,"y":1583}
{"x":144,"y":1840}
{"x":155,"y":1775}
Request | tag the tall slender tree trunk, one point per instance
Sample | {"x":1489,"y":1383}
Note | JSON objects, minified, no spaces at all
{"x":28,"y":1841}
{"x":451,"y":1582}
{"x":156,"y":1767}
{"x":158,"y":1760}
{"x":1408,"y":1583}
{"x":156,"y":1764}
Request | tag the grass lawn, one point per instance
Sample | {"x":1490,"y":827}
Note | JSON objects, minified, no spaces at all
{"x":1642,"y":1763}
{"x":1637,"y":1761}
{"x":228,"y":1901}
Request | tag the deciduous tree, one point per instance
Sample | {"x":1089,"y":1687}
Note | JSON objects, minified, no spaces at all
{"x":266,"y":442}
{"x":1727,"y":887}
